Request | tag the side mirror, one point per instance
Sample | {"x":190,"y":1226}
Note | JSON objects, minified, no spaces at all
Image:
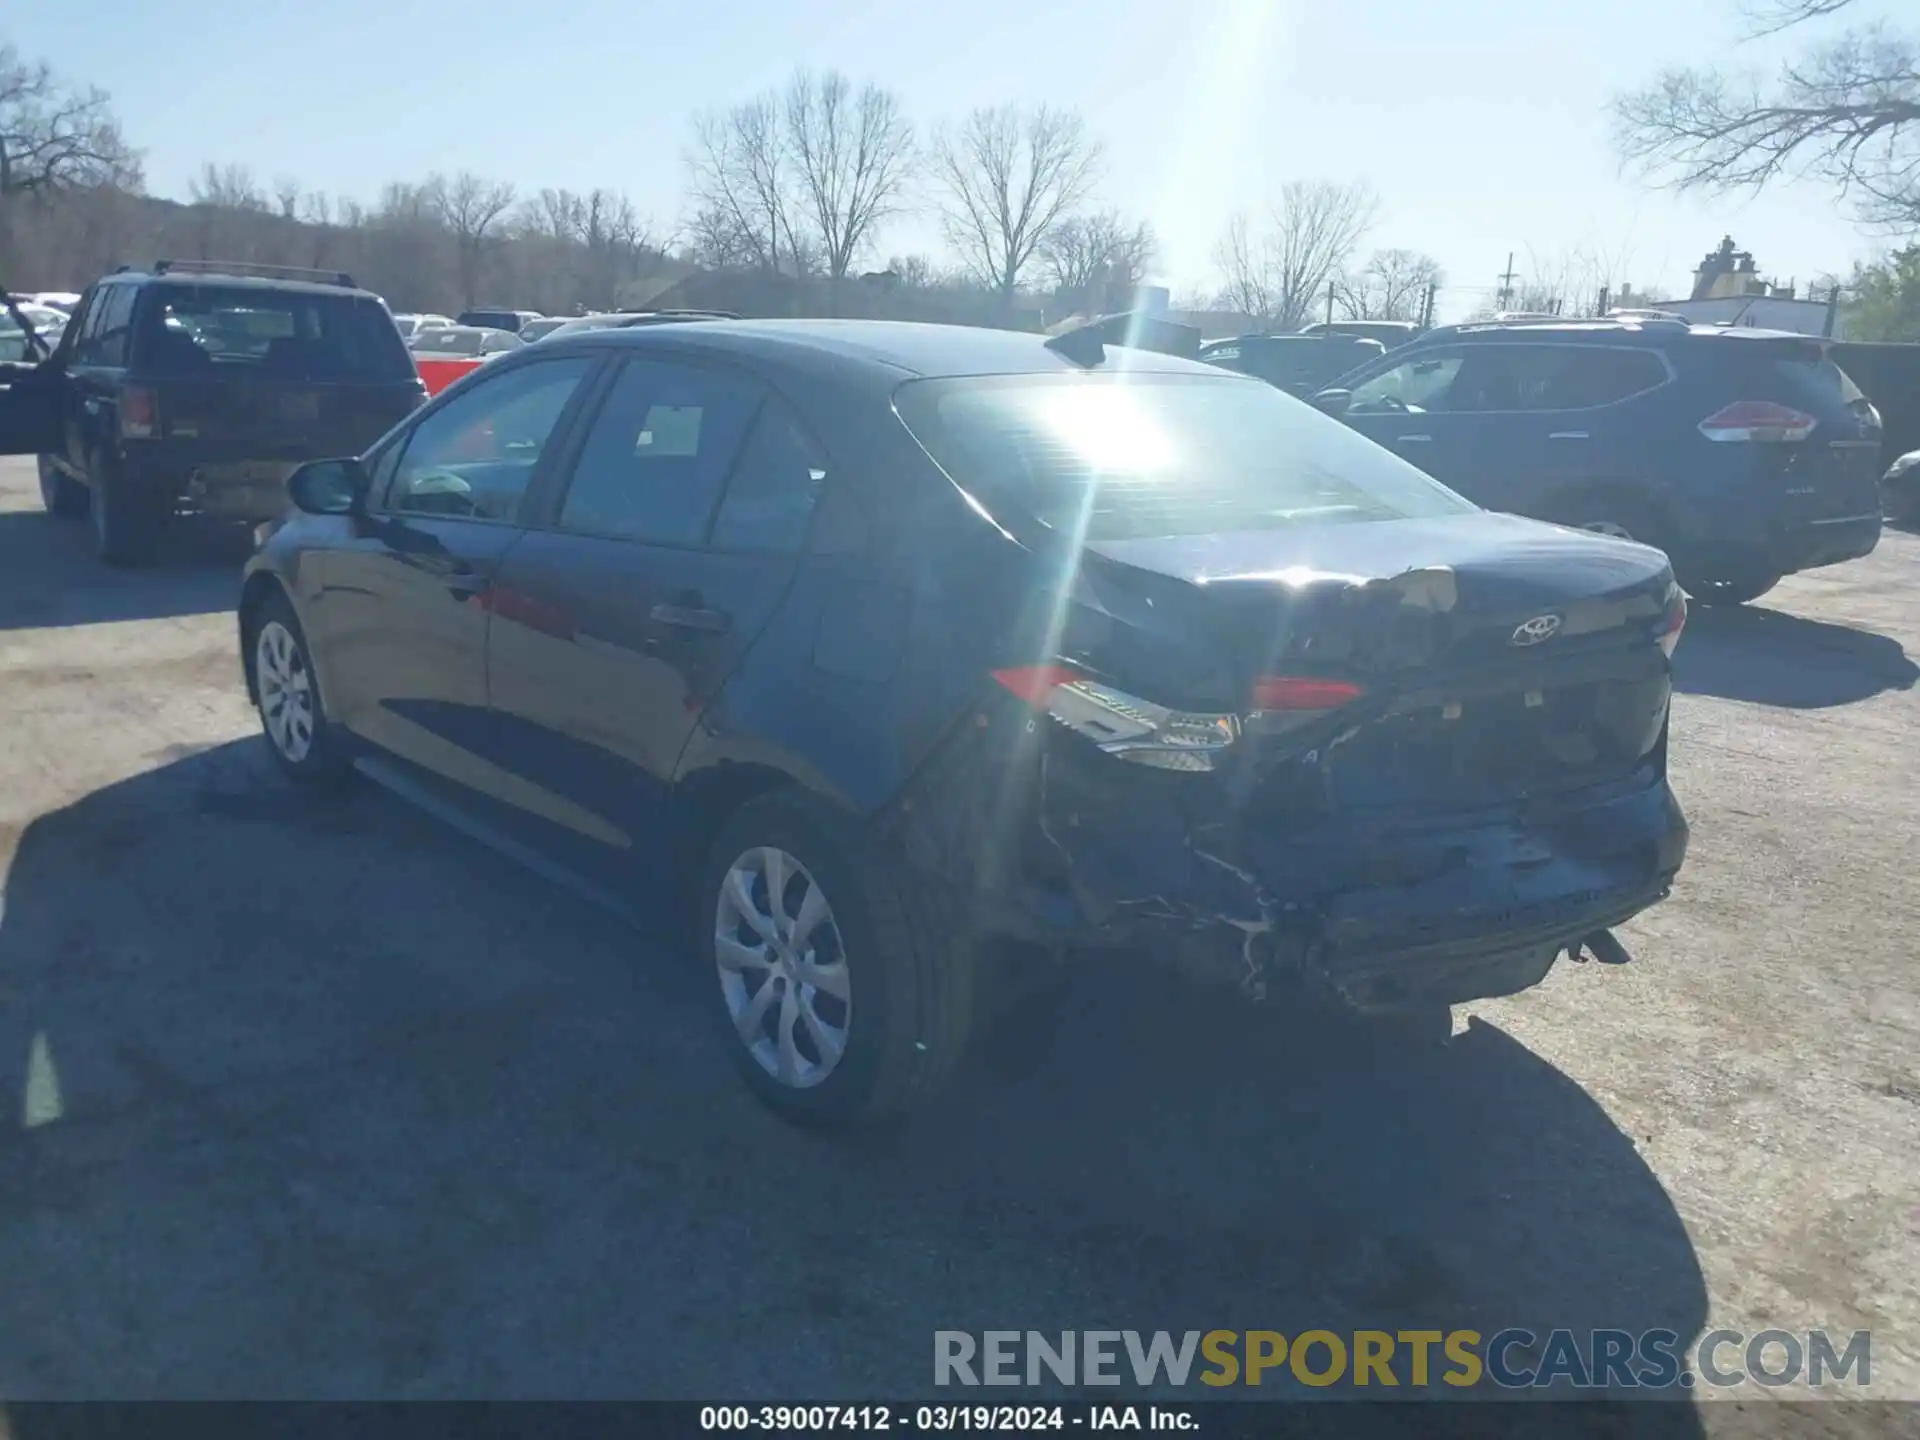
{"x":1334,"y":402}
{"x":328,"y":487}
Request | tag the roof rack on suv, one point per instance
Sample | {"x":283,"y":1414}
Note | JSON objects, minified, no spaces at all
{"x":1565,"y":322}
{"x":254,"y":270}
{"x":679,"y":314}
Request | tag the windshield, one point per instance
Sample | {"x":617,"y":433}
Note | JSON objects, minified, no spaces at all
{"x":1132,"y":457}
{"x":189,"y":329}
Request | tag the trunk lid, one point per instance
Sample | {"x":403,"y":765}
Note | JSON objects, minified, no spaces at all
{"x":1496,"y":658}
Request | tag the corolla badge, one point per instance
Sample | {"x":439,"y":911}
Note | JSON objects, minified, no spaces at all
{"x":1532,"y":632}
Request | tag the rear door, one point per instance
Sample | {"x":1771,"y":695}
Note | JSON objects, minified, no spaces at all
{"x":663,"y":555}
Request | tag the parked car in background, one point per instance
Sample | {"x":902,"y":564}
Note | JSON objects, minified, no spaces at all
{"x":473,"y":341}
{"x":511,"y":321}
{"x":61,"y":300}
{"x":627,"y":319}
{"x":1744,"y":454}
{"x":1900,"y":489}
{"x":446,"y":354}
{"x":778,"y":613}
{"x":1298,"y":364}
{"x":411,"y":325}
{"x":539,"y":329}
{"x":1390,"y":333}
{"x":202,"y":385}
{"x":47,"y":325}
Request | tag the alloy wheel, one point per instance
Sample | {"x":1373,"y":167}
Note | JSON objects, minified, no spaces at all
{"x":286,"y":691}
{"x":783,"y":971}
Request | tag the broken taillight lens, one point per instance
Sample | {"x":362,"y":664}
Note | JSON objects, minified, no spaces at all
{"x":1124,"y":726}
{"x":139,"y":413}
{"x":1760,"y":420}
{"x":1672,"y":621}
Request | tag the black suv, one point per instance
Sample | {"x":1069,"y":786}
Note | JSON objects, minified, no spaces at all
{"x":196,"y":385}
{"x":1745,"y":454}
{"x":1297,"y":364}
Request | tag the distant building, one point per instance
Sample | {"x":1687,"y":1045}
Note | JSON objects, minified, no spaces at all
{"x":1729,"y":290}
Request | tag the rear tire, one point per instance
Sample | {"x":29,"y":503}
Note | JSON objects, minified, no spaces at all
{"x":64,"y":497}
{"x":1731,"y":592}
{"x":846,"y":998}
{"x":126,"y":520}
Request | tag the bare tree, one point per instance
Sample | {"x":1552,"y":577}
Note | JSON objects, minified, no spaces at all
{"x":1279,"y":274}
{"x":741,"y":187}
{"x":851,"y":152}
{"x":1846,"y":111}
{"x":473,"y":209}
{"x":227,"y":187}
{"x":1392,"y":285}
{"x":1085,"y":252}
{"x":54,"y":136}
{"x":1009,"y":176}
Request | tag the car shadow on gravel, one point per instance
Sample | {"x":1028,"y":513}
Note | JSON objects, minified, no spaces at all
{"x":319,"y":1099}
{"x":52,"y":577}
{"x":1772,"y":657}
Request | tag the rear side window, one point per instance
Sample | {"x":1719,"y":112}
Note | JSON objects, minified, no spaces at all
{"x":212,"y":330}
{"x":658,"y":453}
{"x":1128,"y":456}
{"x":104,"y":342}
{"x":1601,"y":375}
{"x":775,"y":485}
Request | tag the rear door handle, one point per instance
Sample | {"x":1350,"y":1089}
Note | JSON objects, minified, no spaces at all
{"x":1413,"y":439}
{"x":684,"y":617}
{"x":1568,"y":435}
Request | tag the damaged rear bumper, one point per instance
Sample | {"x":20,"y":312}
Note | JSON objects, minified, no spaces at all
{"x":1384,"y":910}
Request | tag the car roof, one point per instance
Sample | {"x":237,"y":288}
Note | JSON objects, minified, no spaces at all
{"x":1651,"y":331}
{"x":906,"y":347}
{"x":225,"y":281}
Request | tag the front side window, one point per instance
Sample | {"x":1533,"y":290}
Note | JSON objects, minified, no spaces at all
{"x":1412,"y":386}
{"x":1119,"y":456}
{"x":658,"y":453}
{"x":475,"y":456}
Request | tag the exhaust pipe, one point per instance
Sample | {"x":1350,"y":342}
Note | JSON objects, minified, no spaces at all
{"x":1601,"y":946}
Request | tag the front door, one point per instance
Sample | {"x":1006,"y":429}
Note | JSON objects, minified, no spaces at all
{"x":618,"y":622}
{"x":402,"y":607}
{"x":1406,"y":407}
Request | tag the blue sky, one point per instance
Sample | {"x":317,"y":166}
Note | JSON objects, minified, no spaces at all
{"x":1478,"y":122}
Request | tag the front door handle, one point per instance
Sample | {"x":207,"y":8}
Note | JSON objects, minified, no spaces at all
{"x":686,"y":617}
{"x":1412,"y":439}
{"x":1568,"y":435}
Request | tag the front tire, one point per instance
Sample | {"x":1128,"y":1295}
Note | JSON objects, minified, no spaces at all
{"x":64,"y":497}
{"x":293,"y":716}
{"x":845,"y":985}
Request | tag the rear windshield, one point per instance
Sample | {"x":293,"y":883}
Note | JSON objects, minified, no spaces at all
{"x":207,"y":329}
{"x":1122,"y":457}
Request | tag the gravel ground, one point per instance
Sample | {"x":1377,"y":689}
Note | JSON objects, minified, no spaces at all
{"x":334,"y":1102}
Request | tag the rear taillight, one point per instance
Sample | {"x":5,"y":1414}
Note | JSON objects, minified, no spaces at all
{"x":1760,"y":420}
{"x":139,"y":413}
{"x":1297,"y":693}
{"x":1124,"y":726}
{"x":1672,"y":621}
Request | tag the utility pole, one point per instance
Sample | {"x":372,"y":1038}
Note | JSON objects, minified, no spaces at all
{"x":1329,"y":302}
{"x":1506,"y":284}
{"x":1426,"y":310}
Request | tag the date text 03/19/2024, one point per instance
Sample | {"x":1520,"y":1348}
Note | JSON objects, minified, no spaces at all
{"x":934,"y":1419}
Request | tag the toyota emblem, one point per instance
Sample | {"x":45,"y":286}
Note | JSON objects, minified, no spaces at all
{"x":1532,"y":632}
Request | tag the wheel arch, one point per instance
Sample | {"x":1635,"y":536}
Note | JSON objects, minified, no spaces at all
{"x":254,"y":592}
